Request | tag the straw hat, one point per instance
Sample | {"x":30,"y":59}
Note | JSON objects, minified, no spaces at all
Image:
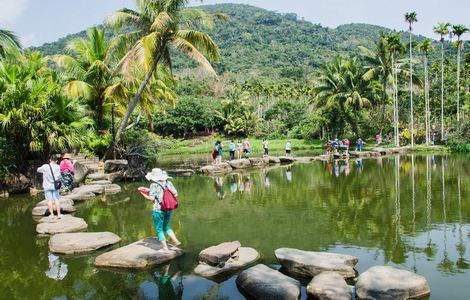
{"x":157,"y":175}
{"x":67,"y":155}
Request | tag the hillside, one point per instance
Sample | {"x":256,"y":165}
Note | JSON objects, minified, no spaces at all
{"x":261,"y":43}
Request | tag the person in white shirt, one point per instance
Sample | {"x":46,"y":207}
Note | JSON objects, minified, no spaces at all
{"x":265,"y":148}
{"x":50,"y":174}
{"x":288,"y":148}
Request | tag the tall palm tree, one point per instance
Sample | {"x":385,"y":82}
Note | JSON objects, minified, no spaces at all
{"x":8,"y":40}
{"x":426,"y":47}
{"x":411,"y":18}
{"x":155,"y":27}
{"x":459,"y":30}
{"x":442,"y":29}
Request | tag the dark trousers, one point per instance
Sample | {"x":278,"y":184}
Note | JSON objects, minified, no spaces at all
{"x":232,"y":155}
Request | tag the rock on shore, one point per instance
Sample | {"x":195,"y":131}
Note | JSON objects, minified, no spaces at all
{"x":65,"y":224}
{"x":329,"y":286}
{"x":83,"y":242}
{"x":245,"y":257}
{"x":142,"y":254}
{"x":310,"y":263}
{"x":390,"y":283}
{"x":261,"y":282}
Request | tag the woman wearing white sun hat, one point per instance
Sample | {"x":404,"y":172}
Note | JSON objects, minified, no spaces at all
{"x":161,"y":218}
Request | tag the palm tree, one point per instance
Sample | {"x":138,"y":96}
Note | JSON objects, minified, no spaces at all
{"x":411,"y":18}
{"x":157,"y":26}
{"x":426,"y":47}
{"x":8,"y":40}
{"x":459,"y":30}
{"x":442,"y":29}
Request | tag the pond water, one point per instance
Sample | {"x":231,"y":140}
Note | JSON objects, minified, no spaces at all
{"x":410,"y":211}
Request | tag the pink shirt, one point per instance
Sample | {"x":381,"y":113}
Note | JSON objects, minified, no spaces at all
{"x":66,"y":166}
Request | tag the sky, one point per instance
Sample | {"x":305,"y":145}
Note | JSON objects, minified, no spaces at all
{"x":40,"y":21}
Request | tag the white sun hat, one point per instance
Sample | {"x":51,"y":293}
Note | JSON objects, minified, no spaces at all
{"x":157,"y":175}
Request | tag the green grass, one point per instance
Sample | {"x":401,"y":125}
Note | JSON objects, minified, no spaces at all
{"x":204,"y":145}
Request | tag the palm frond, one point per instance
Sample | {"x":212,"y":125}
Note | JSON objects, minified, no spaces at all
{"x":191,"y":52}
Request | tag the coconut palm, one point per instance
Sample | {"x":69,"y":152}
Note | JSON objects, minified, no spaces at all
{"x":442,"y":29}
{"x":426,"y":47}
{"x":8,"y":40}
{"x":155,"y":27}
{"x":411,"y":18}
{"x":459,"y":30}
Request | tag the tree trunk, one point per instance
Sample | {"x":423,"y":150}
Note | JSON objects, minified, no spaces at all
{"x":99,"y":112}
{"x":426,"y":99}
{"x":458,"y":83}
{"x":442,"y":90}
{"x":395,"y":119}
{"x":411,"y":94}
{"x":136,"y":98}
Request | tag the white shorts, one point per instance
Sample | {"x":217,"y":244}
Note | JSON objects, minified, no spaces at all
{"x":52,"y":195}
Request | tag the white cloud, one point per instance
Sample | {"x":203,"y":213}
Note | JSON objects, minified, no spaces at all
{"x":10,"y":10}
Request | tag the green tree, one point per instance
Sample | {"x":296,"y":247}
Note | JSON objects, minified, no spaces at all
{"x":459,"y":30}
{"x":426,"y":48}
{"x":411,"y":18}
{"x":157,"y":26}
{"x":8,"y":40}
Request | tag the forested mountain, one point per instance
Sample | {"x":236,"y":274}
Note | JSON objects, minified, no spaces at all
{"x":256,"y":42}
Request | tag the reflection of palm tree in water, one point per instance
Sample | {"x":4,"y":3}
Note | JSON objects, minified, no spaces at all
{"x":429,"y":250}
{"x":169,"y":286}
{"x":461,"y":262}
{"x":397,"y":200}
{"x":413,"y":202}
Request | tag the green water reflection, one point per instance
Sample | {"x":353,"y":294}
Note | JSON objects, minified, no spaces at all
{"x":409,"y":211}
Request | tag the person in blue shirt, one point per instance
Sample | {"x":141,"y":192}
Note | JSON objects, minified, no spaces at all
{"x":231,"y":150}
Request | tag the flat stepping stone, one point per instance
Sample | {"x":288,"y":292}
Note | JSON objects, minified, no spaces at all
{"x":44,"y":210}
{"x":240,"y":163}
{"x":62,"y":200}
{"x":386,"y":282}
{"x":100,"y":182}
{"x":97,"y":176}
{"x":143,"y":254}
{"x":286,"y":159}
{"x":310,"y":263}
{"x":181,"y":172}
{"x":93,"y":188}
{"x":112,"y":189}
{"x":81,"y":196}
{"x":65,"y":224}
{"x":274,"y":160}
{"x":246,"y":256}
{"x":83,"y":242}
{"x":329,"y":286}
{"x":217,"y":169}
{"x":219,"y":254}
{"x":258,"y":161}
{"x":261,"y":282}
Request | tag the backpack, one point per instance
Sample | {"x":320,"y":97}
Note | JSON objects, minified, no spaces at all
{"x":169,"y":201}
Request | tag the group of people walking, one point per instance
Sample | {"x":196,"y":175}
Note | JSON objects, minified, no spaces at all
{"x":242,"y":149}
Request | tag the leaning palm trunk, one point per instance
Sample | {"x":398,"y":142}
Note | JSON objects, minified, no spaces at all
{"x":442,"y":90}
{"x":136,"y":98}
{"x":395,"y":103}
{"x":411,"y":94}
{"x":458,"y":83}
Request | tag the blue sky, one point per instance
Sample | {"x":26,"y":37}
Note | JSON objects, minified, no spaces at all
{"x":40,"y":21}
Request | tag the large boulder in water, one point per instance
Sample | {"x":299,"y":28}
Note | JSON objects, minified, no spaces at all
{"x":390,"y":283}
{"x":81,"y":196}
{"x":274,"y":160}
{"x":65,"y":224}
{"x":112,"y":189}
{"x":93,"y":188}
{"x":115,"y":165}
{"x":257,"y":161}
{"x":310,"y":263}
{"x":181,"y":172}
{"x":216,"y":169}
{"x":329,"y":286}
{"x":219,"y":254}
{"x":286,"y":159}
{"x":143,"y":254}
{"x":83,"y":242}
{"x":261,"y":282}
{"x":15,"y":183}
{"x":245,"y":256}
{"x":80,"y":172}
{"x":240,"y":163}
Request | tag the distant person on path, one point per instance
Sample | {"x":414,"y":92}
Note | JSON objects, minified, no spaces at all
{"x":214,"y":153}
{"x":329,"y":148}
{"x":239,"y":149}
{"x":378,"y":139}
{"x":335,"y":146}
{"x":161,"y":187}
{"x":346,"y":144}
{"x":265,"y":148}
{"x":219,"y":152}
{"x":231,"y":150}
{"x":388,"y":139}
{"x":288,"y":148}
{"x":359,"y":144}
{"x":246,"y":148}
{"x":67,"y":170}
{"x":50,"y":181}
{"x":433,"y":137}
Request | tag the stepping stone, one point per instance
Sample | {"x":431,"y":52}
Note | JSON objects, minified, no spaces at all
{"x":44,"y":210}
{"x":100,"y":182}
{"x":84,"y":242}
{"x":181,"y":172}
{"x":111,"y":166}
{"x":329,"y":286}
{"x":112,"y":189}
{"x":240,"y":163}
{"x":217,"y":169}
{"x":65,"y":224}
{"x":310,"y":264}
{"x":385,"y":282}
{"x":97,"y":176}
{"x":258,"y":162}
{"x":274,"y":160}
{"x":246,"y":256}
{"x":261,"y":282}
{"x":62,"y":200}
{"x":81,"y":196}
{"x":286,"y":159}
{"x":143,"y":254}
{"x":219,"y":254}
{"x":93,"y":188}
